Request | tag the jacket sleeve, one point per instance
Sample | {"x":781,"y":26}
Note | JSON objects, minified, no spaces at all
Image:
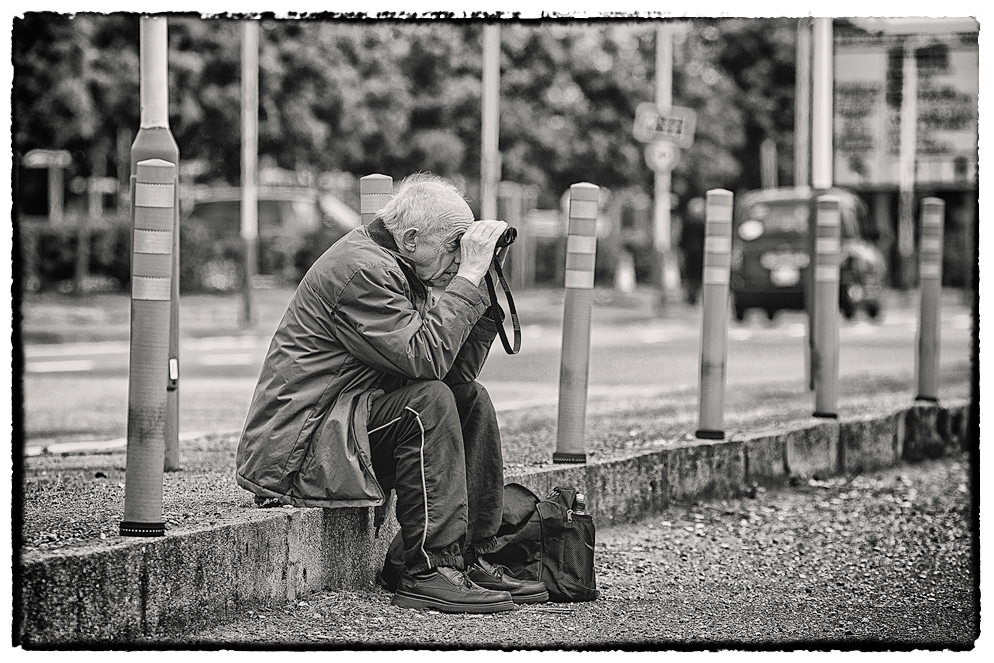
{"x":469,"y":361}
{"x":380,"y":326}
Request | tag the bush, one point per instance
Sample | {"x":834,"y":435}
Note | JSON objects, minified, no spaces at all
{"x":207,"y":263}
{"x":48,"y":255}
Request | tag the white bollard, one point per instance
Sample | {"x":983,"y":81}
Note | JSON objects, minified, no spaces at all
{"x":375,"y":192}
{"x":714,"y":313}
{"x":581,"y":254}
{"x":153,"y":209}
{"x":825,"y":351}
{"x":930,"y":279}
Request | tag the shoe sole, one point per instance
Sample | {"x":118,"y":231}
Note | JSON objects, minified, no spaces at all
{"x":531,"y":598}
{"x":402,"y":600}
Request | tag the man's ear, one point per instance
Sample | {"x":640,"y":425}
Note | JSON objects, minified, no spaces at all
{"x":408,"y":240}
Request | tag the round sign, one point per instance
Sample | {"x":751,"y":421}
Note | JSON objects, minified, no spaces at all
{"x":661,"y":156}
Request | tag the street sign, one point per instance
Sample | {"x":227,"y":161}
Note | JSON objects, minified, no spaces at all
{"x":675,"y":124}
{"x":662,"y":156}
{"x":47,"y":158}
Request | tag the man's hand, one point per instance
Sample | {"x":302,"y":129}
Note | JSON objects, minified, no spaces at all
{"x":477,"y":249}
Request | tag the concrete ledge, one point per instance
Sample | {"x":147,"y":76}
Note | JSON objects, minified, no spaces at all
{"x":184,"y":581}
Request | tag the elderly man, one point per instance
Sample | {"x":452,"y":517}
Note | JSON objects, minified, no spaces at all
{"x":369,"y":385}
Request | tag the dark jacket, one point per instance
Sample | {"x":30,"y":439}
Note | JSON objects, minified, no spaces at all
{"x":359,"y":324}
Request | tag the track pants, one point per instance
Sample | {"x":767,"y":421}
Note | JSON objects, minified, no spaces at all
{"x":438,"y":446}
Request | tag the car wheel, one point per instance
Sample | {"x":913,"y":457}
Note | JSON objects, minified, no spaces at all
{"x":847,"y":307}
{"x":873,"y":310}
{"x":739,"y":309}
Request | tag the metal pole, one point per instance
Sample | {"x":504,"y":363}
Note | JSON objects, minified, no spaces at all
{"x":906,"y":174}
{"x":714,"y":313}
{"x":55,"y":196}
{"x":802,"y":105}
{"x":152,"y":209}
{"x":155,"y":141}
{"x":825,"y":354}
{"x":375,"y":192}
{"x":250,"y":154}
{"x":821,"y":159}
{"x":490,"y":166}
{"x":930,"y":279}
{"x":581,"y":254}
{"x":821,"y":105}
{"x":669,"y":277}
{"x":768,"y":163}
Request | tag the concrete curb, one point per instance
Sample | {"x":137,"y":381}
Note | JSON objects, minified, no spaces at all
{"x":168,"y":586}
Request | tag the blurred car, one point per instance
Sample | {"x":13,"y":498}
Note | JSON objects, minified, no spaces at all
{"x":771,"y":252}
{"x":295,"y":224}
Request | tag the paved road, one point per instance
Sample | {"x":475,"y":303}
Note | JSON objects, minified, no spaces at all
{"x":78,"y":390}
{"x":885,"y":560}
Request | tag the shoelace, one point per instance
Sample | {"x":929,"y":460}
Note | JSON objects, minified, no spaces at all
{"x":496,"y":570}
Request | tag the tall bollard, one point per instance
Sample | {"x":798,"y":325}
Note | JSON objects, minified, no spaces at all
{"x":714,"y":313}
{"x":930,"y":277}
{"x":153,"y":206}
{"x":581,"y":253}
{"x":825,"y":351}
{"x":155,"y":141}
{"x":375,"y":192}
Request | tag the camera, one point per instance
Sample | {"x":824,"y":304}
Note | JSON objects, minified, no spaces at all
{"x":507,"y":238}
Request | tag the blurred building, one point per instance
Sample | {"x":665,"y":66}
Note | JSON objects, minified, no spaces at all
{"x":869,"y":69}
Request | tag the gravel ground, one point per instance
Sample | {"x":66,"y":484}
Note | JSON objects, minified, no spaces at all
{"x":885,"y":560}
{"x":77,"y":500}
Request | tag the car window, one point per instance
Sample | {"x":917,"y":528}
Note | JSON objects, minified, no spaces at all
{"x":850,"y":227}
{"x":784,"y":216}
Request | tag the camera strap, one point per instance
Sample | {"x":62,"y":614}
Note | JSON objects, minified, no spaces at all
{"x":495,"y":310}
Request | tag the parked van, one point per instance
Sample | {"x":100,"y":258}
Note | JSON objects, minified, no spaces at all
{"x":771,"y":249}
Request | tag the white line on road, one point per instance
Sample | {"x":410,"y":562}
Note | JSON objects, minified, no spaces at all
{"x":242,"y":359}
{"x":69,"y":366}
{"x":64,"y":349}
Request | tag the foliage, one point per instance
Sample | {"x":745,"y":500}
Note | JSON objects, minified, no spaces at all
{"x":399,"y":96}
{"x":396,"y":97}
{"x":48,"y":255}
{"x":208,"y":263}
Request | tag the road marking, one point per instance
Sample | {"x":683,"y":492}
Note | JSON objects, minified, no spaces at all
{"x":226,"y":342}
{"x":656,"y":336}
{"x":962,"y":321}
{"x":64,"y":349}
{"x":70,"y":366}
{"x":796,"y":329}
{"x":739,"y":334}
{"x":242,"y":359}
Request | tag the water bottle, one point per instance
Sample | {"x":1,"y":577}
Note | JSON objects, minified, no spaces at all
{"x":579,"y":504}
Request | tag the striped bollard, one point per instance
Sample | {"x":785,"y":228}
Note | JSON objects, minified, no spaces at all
{"x":375,"y":192}
{"x":930,"y":278}
{"x":825,"y":350}
{"x":714,"y":313}
{"x":152,"y":209}
{"x":581,"y":253}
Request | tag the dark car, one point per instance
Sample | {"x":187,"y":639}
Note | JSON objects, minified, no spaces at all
{"x":295,"y":225}
{"x":771,"y":252}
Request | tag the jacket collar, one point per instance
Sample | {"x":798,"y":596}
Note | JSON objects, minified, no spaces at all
{"x":382,"y":237}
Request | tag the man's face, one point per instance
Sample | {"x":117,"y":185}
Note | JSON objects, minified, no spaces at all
{"x":437,"y":257}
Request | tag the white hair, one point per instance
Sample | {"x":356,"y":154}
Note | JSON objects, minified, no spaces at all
{"x":423,"y":201}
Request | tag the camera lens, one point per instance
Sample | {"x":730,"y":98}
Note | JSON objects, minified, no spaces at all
{"x":507,"y":238}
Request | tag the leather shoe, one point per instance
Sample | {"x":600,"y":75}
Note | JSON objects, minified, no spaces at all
{"x":448,"y":590}
{"x":497,"y":577}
